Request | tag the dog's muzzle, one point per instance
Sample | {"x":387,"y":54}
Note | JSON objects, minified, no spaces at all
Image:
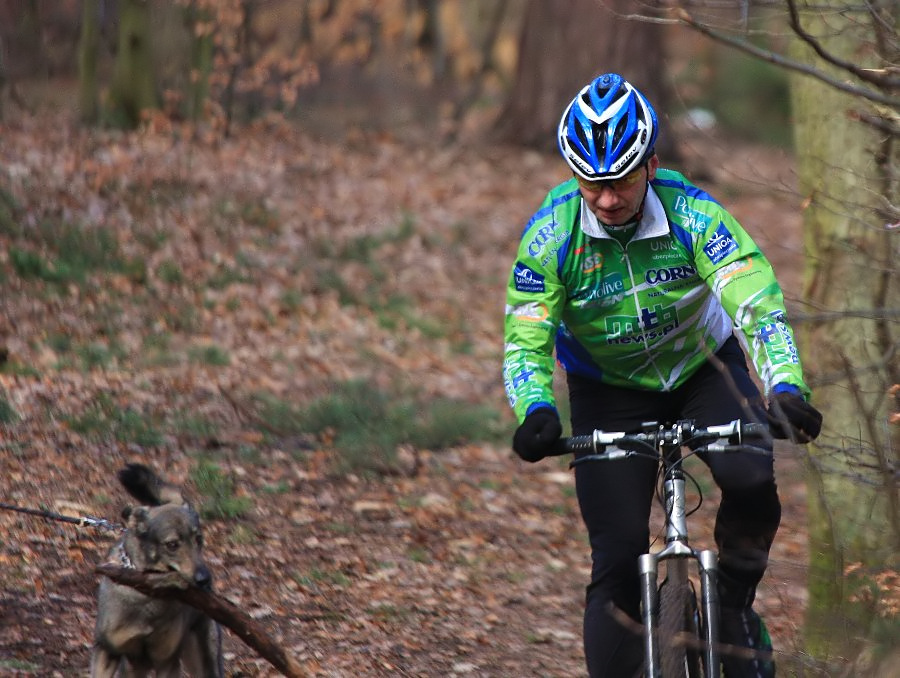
{"x":203,"y":578}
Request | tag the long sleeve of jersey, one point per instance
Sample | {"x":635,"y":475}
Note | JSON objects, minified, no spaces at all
{"x":534,"y":305}
{"x":744,"y":282}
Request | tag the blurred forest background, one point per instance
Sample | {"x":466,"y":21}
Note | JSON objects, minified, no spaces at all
{"x":262,"y":244}
{"x":203,"y":60}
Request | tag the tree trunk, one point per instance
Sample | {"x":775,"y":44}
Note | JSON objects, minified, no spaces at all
{"x":88,"y":88}
{"x":432,"y":38}
{"x":199,"y":21}
{"x":845,"y":172}
{"x":563,"y":46}
{"x":133,"y":88}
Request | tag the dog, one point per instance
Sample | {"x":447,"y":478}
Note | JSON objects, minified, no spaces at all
{"x":137,"y":633}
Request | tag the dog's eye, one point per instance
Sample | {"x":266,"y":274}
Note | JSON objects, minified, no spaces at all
{"x":172,"y":545}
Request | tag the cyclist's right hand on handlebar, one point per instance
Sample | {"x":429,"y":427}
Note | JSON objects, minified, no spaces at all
{"x":537,"y":434}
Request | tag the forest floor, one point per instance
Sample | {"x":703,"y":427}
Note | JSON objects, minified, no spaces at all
{"x":276,"y":264}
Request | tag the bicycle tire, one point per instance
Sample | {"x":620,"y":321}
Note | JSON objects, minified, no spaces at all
{"x":679,"y":637}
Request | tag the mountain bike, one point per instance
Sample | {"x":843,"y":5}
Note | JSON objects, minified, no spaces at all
{"x":681,"y":636}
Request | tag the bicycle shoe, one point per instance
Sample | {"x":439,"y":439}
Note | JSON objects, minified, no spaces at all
{"x":743,"y":628}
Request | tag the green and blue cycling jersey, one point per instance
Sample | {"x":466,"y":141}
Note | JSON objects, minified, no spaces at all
{"x":643,"y":316}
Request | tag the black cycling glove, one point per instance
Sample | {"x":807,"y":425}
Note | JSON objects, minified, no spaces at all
{"x":535,"y":437}
{"x":791,"y":417}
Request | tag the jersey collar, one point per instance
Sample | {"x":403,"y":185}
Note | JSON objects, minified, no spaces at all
{"x":652,"y":225}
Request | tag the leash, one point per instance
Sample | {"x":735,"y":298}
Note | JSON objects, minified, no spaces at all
{"x":84,"y":521}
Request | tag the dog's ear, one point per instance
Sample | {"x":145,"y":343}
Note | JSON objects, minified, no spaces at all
{"x":137,"y":519}
{"x":169,"y":494}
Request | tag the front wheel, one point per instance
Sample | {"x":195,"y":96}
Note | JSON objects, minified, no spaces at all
{"x":679,"y":637}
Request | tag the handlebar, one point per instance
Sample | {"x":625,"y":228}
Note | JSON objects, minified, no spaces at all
{"x":732,"y":437}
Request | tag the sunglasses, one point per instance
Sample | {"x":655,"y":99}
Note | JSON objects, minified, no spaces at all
{"x":617,"y":185}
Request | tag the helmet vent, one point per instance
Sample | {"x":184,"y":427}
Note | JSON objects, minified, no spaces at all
{"x":600,"y":136}
{"x":582,"y":137}
{"x":621,"y":127}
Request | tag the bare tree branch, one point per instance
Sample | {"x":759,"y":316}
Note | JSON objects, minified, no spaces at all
{"x":878,"y":122}
{"x":783,"y":61}
{"x":214,"y":606}
{"x":825,"y":316}
{"x":868,"y":75}
{"x":885,"y":467}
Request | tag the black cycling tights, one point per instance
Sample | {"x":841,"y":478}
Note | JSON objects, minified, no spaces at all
{"x":615,"y":497}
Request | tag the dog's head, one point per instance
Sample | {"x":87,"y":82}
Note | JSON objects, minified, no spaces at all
{"x":165,"y":536}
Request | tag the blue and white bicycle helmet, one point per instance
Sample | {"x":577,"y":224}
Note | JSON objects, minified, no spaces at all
{"x":608,"y":130}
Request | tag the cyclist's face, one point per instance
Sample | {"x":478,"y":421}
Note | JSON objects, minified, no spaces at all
{"x":615,"y":202}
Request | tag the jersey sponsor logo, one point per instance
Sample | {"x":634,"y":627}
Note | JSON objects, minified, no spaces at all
{"x":545,"y":234}
{"x":592,"y":262}
{"x":542,"y":237}
{"x":524,"y":375}
{"x":720,"y":245}
{"x":545,"y":243}
{"x":527,"y":280}
{"x":533,"y":312}
{"x":658,"y":276}
{"x":649,"y":325}
{"x":691,"y":219}
{"x":776,"y":335}
{"x":608,"y":292}
{"x":664,"y":250}
{"x":732,"y":269}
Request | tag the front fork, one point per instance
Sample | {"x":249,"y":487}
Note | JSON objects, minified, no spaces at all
{"x":677,"y":547}
{"x":709,"y":597}
{"x":709,"y":588}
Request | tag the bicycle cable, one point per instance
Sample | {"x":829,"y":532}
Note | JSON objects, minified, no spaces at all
{"x":660,"y":480}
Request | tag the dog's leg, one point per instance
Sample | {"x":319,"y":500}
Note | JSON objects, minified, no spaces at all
{"x":103,"y":664}
{"x":172,"y":670}
{"x":202,"y":650}
{"x":131,"y":671}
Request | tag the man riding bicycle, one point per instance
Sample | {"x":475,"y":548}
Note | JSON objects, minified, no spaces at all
{"x":637,"y":279}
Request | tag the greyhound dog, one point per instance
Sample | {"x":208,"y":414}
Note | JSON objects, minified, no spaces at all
{"x":140,"y":634}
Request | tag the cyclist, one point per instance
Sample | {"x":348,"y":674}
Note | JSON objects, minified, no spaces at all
{"x":638,"y":278}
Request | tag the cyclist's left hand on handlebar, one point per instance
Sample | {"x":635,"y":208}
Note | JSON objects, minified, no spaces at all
{"x":791,"y":417}
{"x":537,"y":434}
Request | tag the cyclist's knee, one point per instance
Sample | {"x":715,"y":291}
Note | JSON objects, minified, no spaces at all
{"x":615,"y":564}
{"x":756,"y":476}
{"x":750,"y":510}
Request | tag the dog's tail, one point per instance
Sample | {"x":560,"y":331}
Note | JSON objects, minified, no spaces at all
{"x":147,"y":487}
